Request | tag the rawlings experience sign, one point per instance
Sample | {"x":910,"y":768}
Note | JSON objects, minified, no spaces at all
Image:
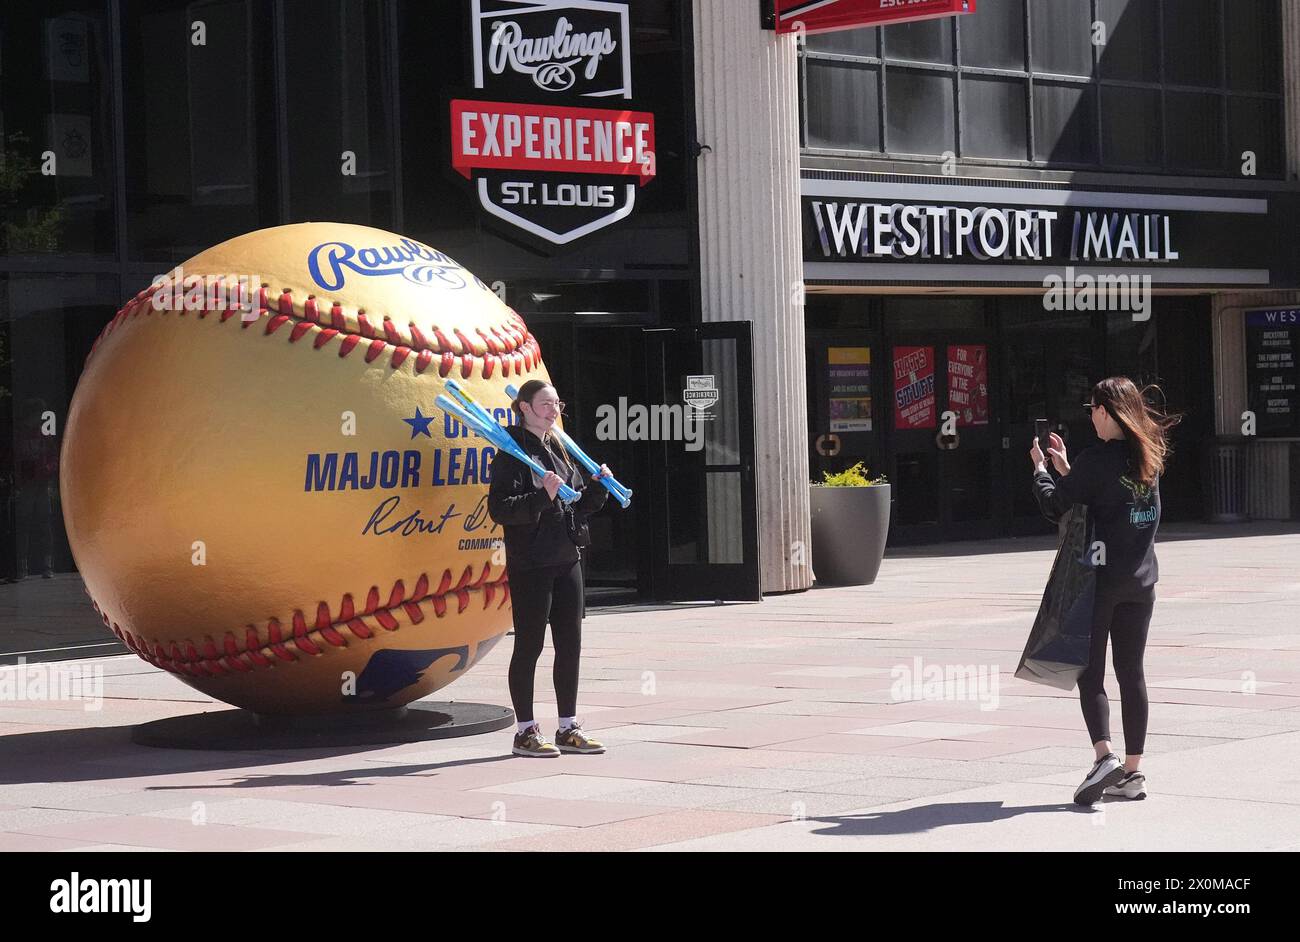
{"x":540,"y":158}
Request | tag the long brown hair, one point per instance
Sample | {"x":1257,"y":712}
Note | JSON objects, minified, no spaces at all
{"x":527,"y":393}
{"x":1146,"y":426}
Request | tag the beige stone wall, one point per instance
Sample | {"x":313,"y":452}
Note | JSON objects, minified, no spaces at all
{"x":750,"y":255}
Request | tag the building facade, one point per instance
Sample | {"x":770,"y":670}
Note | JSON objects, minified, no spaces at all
{"x":1000,"y":209}
{"x":897,"y":245}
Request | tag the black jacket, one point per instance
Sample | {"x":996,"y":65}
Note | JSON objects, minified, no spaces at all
{"x":536,"y":531}
{"x":1125,"y":513}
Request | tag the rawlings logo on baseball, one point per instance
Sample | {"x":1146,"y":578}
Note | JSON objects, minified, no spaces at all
{"x":414,"y":262}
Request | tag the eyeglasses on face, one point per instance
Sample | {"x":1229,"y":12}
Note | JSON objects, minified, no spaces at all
{"x":539,"y":404}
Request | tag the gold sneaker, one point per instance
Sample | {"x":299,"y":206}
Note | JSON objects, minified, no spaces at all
{"x":533,"y":744}
{"x":574,"y":739}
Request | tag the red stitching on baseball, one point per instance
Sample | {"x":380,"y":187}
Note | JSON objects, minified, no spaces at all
{"x":510,"y":343}
{"x":206,"y":658}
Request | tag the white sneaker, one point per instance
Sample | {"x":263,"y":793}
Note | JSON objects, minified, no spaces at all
{"x":1107,"y":771}
{"x":1132,"y":785}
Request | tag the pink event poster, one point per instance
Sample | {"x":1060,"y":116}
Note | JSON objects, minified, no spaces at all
{"x":913,"y":387}
{"x":968,"y":383}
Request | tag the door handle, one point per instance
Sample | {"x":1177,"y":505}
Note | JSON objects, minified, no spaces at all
{"x":828,"y":445}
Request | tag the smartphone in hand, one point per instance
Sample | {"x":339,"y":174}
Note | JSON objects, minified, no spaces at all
{"x":1043,"y":433}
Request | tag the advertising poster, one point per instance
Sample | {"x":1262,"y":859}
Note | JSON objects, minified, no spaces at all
{"x":1272,"y":338}
{"x":914,"y":387}
{"x":968,"y":383}
{"x":850,"y":388}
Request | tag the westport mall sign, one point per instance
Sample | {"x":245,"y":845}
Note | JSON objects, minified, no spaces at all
{"x":824,"y":16}
{"x":549,"y":139}
{"x":865,"y":231}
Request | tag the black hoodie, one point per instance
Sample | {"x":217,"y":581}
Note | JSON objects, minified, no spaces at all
{"x":536,"y":532}
{"x":1125,"y":512}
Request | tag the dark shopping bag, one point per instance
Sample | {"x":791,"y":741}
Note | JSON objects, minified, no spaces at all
{"x":1059,"y":645}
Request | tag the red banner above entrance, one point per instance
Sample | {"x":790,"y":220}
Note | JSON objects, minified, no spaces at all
{"x":824,"y":16}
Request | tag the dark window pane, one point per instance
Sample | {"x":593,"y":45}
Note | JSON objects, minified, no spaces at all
{"x":906,"y":313}
{"x":919,"y":112}
{"x":854,"y":42}
{"x":1065,"y":123}
{"x":968,"y":480}
{"x":1195,"y":131}
{"x":55,"y":96}
{"x":1061,"y":36}
{"x":1255,"y":125}
{"x":47,"y":326}
{"x":843,"y":105}
{"x":924,"y":41}
{"x":336,"y":104}
{"x":993,"y":118}
{"x":1130,"y":127}
{"x":200,"y":147}
{"x":994,"y":38}
{"x":917,"y":489}
{"x":1193,"y":54}
{"x":1254,"y":56}
{"x":1132,"y":49}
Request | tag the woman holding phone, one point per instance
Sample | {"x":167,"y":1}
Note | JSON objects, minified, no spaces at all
{"x":1119,"y":482}
{"x":542,"y":540}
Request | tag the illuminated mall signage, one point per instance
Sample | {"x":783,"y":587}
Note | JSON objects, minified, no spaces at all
{"x":824,"y":16}
{"x":865,"y":229}
{"x":540,"y":157}
{"x":988,"y":232}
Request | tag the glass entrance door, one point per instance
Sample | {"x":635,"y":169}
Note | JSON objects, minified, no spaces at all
{"x":702,"y":504}
{"x":942,"y":436}
{"x":1048,"y":371}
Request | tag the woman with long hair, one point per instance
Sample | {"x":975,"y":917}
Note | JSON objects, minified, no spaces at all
{"x":542,"y":540}
{"x":1118,"y":481}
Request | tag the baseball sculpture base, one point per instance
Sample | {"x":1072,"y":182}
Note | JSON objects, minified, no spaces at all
{"x":245,"y":731}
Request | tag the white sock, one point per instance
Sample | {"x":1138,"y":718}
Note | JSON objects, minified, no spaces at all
{"x":568,"y":721}
{"x":526,"y":725}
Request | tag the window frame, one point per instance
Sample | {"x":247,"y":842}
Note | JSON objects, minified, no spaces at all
{"x":1032,"y":77}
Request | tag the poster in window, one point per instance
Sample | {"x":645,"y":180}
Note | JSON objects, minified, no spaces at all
{"x":68,"y":136}
{"x":913,"y":387}
{"x":1272,"y":338}
{"x":968,"y":383}
{"x":850,"y":388}
{"x":67,"y":49}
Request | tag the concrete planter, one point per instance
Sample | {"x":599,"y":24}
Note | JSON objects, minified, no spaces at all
{"x":849,"y":528}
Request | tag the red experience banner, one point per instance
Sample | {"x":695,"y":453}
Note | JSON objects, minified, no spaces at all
{"x":503,"y":135}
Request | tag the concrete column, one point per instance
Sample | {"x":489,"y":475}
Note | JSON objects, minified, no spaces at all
{"x":750,"y":254}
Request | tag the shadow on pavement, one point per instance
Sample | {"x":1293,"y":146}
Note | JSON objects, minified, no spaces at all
{"x":107,"y":753}
{"x":930,"y":817}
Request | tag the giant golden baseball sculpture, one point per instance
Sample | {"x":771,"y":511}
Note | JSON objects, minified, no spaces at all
{"x":264,"y":500}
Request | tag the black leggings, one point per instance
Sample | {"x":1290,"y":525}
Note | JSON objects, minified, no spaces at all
{"x":536,"y":595}
{"x":1125,"y":618}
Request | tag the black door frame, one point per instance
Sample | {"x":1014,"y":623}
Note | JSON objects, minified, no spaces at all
{"x":669,"y":581}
